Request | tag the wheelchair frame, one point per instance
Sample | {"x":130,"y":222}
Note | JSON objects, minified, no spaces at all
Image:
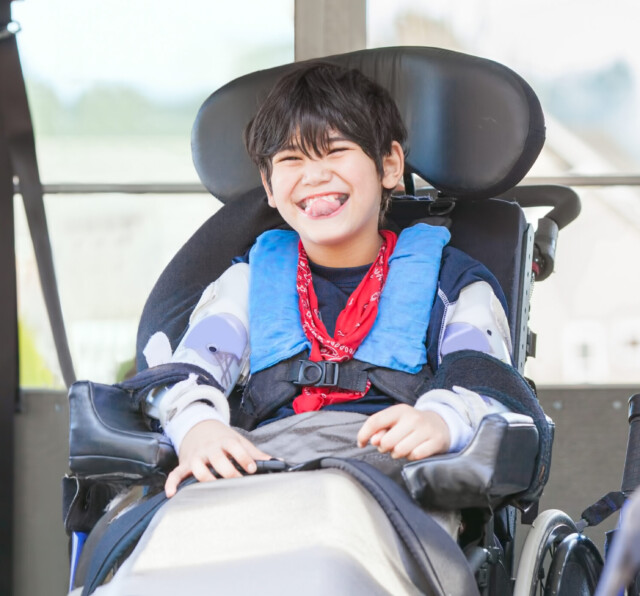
{"x":555,"y":546}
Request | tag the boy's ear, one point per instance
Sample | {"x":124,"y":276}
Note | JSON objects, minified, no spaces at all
{"x":393,"y":166}
{"x":267,"y":189}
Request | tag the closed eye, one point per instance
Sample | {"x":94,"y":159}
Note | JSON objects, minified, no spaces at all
{"x":338,"y":149}
{"x":286,"y":157}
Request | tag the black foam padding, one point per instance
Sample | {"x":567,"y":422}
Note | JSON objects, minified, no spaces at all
{"x":475,"y":127}
{"x":203,"y":258}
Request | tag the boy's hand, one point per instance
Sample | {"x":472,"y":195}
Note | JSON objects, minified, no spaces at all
{"x":403,"y":431}
{"x":211,"y":444}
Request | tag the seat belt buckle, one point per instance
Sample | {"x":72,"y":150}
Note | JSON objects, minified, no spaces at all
{"x":318,"y":374}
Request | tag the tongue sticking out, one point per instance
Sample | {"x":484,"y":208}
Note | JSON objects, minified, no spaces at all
{"x":322,"y":207}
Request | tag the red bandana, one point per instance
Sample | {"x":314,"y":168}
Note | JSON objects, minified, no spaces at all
{"x":352,"y":326}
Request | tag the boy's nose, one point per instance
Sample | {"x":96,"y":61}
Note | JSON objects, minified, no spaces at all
{"x":315,"y":172}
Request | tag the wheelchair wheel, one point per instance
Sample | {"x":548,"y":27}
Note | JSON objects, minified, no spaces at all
{"x":575,"y":568}
{"x":556,"y":560}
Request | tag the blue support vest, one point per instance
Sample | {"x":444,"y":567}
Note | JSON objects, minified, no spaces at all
{"x":397,"y":339}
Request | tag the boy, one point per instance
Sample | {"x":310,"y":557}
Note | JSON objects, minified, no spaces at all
{"x":338,"y":289}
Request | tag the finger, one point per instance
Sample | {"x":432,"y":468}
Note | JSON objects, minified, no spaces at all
{"x":403,"y":428}
{"x":201,"y":471}
{"x":377,"y":422}
{"x":375,"y":439}
{"x":425,"y":449}
{"x":372,"y":425}
{"x":246,"y":453}
{"x":223,"y":466}
{"x":406,"y":446}
{"x":240,"y":452}
{"x":254,"y":452}
{"x":177,"y":475}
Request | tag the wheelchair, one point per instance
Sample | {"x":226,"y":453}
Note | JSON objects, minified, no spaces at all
{"x":475,"y":129}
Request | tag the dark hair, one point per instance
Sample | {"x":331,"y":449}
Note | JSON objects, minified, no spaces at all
{"x":308,"y":102}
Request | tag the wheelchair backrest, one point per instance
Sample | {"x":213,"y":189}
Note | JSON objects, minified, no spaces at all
{"x":474,"y":130}
{"x":475,"y":127}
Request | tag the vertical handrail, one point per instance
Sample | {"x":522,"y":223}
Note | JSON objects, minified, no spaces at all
{"x":8,"y":335}
{"x":631,"y":474}
{"x":19,"y":138}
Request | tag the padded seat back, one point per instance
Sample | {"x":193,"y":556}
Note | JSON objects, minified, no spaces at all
{"x":474,"y":126}
{"x":496,"y":233}
{"x":474,"y":130}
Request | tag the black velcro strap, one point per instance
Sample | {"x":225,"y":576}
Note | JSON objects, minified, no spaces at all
{"x":351,"y":375}
{"x":164,"y":374}
{"x":490,"y":377}
{"x":603,"y":508}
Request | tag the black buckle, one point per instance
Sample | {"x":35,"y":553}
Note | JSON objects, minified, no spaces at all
{"x":317,"y":374}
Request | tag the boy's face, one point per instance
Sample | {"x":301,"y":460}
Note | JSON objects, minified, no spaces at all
{"x":333,"y":200}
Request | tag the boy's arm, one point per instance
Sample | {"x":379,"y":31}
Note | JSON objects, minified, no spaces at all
{"x":216,"y":340}
{"x":196,"y":416}
{"x":445,"y":420}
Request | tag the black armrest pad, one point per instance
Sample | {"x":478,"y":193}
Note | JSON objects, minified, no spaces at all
{"x":108,"y":437}
{"x":498,"y":463}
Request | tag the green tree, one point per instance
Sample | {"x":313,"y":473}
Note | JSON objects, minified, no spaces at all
{"x":34,"y":371}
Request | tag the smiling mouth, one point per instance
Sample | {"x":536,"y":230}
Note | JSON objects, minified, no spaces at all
{"x":323,"y":205}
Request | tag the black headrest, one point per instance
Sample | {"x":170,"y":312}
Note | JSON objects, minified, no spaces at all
{"x":475,"y":127}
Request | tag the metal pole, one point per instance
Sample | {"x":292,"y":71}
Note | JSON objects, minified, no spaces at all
{"x":8,"y":343}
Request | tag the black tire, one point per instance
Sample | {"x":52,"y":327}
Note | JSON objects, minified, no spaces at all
{"x":575,"y":568}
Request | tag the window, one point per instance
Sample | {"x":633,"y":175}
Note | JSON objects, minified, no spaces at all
{"x":114,"y":88}
{"x":583,"y":60}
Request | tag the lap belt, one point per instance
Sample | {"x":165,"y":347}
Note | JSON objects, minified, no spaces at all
{"x":274,"y":387}
{"x":442,"y":565}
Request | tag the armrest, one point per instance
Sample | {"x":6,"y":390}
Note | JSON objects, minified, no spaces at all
{"x":109,"y":439}
{"x":498,"y":463}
